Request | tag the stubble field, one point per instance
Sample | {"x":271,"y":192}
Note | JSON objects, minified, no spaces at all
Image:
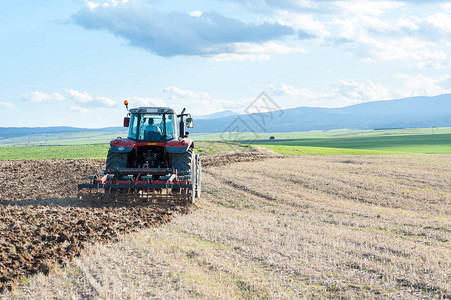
{"x":336,"y":226}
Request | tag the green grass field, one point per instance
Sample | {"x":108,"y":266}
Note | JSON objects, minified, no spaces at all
{"x":352,"y":142}
{"x":301,"y":150}
{"x":421,"y":144}
{"x":54,"y":152}
{"x":334,"y":133}
{"x":63,"y":139}
{"x":332,"y":142}
{"x":98,"y":151}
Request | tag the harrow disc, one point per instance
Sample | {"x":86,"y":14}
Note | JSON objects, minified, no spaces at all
{"x":99,"y":196}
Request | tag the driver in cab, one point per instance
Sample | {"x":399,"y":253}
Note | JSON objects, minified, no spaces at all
{"x":152,"y":132}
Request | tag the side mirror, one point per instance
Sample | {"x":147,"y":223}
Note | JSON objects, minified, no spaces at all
{"x":189,"y":123}
{"x":126,"y":122}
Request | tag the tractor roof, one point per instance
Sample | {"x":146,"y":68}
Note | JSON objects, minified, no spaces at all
{"x":152,"y":110}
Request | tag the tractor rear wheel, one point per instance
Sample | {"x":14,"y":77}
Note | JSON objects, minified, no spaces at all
{"x":185,"y":163}
{"x":116,"y":160}
{"x":198,"y":177}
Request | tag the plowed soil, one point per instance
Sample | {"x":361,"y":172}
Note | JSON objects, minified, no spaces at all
{"x":42,"y":223}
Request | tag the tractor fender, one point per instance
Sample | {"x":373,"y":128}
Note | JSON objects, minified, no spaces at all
{"x":176,"y":146}
{"x":120,"y":145}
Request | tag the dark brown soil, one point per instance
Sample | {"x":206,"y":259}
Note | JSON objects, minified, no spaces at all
{"x":44,"y":179}
{"x":42,"y":223}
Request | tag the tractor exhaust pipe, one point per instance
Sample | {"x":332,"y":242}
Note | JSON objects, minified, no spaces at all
{"x":182,"y":123}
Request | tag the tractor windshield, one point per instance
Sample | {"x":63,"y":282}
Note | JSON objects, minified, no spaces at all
{"x":153,"y":127}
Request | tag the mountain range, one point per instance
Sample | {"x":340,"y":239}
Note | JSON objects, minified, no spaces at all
{"x":11,"y":132}
{"x":402,"y":113}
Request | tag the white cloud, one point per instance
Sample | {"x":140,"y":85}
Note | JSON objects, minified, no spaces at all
{"x":239,"y":57}
{"x":349,"y":92}
{"x":267,"y":48}
{"x":91,"y":4}
{"x":105,"y":101}
{"x":115,"y":2}
{"x":441,"y":21}
{"x":40,"y":97}
{"x":362,"y":92}
{"x":341,"y":93}
{"x":177,"y":33}
{"x":354,"y":92}
{"x":195,"y":13}
{"x":200,"y":102}
{"x":380,"y":30}
{"x":84,"y":97}
{"x":421,"y":85}
{"x":7,"y":105}
{"x":374,"y":8}
{"x":411,"y":23}
{"x":403,"y":39}
{"x":304,"y":22}
{"x":78,"y":109}
{"x":197,"y":103}
{"x":94,"y":4}
{"x":175,"y":92}
{"x":288,"y":90}
{"x":139,"y":101}
{"x":416,"y":51}
{"x":368,"y":7}
{"x":255,"y":52}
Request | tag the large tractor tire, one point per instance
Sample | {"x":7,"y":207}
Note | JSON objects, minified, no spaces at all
{"x":186,"y":162}
{"x":116,"y":160}
{"x":198,"y":176}
{"x":183,"y":162}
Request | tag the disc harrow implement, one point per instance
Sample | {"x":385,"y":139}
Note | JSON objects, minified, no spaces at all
{"x":138,"y":186}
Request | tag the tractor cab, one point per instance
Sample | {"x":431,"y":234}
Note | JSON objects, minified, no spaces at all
{"x":156,"y":124}
{"x":155,"y":136}
{"x":152,"y":124}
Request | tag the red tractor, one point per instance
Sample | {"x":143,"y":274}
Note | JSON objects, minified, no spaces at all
{"x":155,"y":161}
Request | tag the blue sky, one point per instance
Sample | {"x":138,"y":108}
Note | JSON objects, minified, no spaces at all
{"x":73,"y":62}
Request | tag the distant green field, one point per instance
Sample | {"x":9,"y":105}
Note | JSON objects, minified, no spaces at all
{"x":301,"y":150}
{"x":98,"y":151}
{"x":60,"y":139}
{"x":320,"y":134}
{"x":421,"y":144}
{"x":415,"y":140}
{"x":54,"y":152}
{"x":332,"y":142}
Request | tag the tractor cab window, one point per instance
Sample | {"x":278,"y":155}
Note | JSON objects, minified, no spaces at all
{"x":171,"y":127}
{"x":133,"y":127}
{"x":153,"y":127}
